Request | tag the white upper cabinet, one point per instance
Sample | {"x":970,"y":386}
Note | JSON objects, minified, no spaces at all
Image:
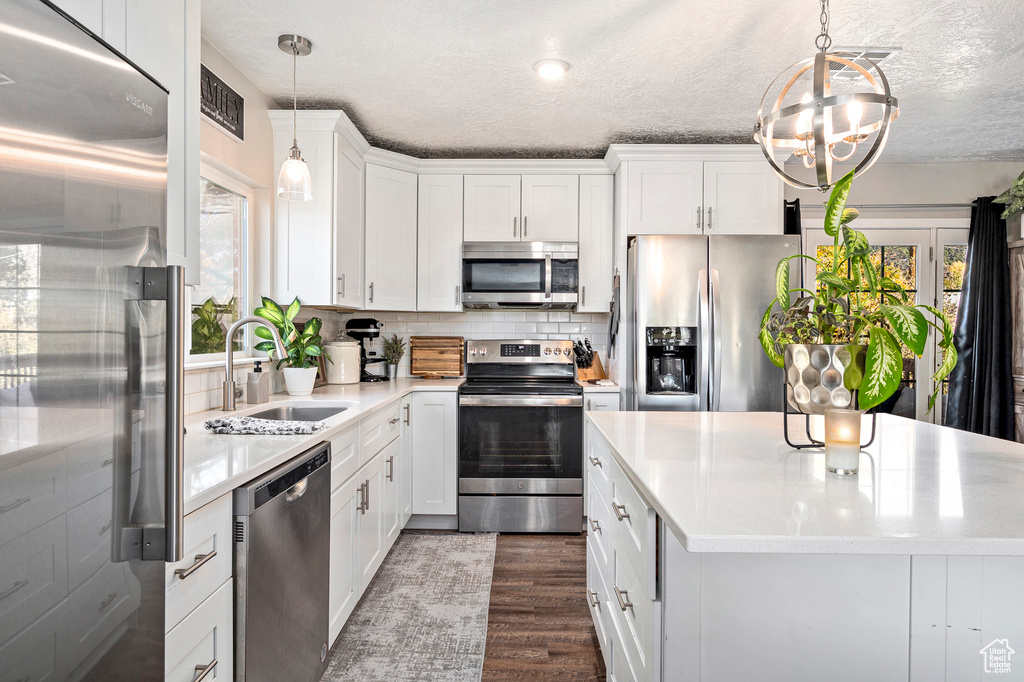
{"x":439,"y":233}
{"x":550,"y":208}
{"x":664,"y":197}
{"x":492,"y":208}
{"x":349,"y":198}
{"x":742,"y":197}
{"x":595,"y":243}
{"x":390,"y":239}
{"x":735,"y":193}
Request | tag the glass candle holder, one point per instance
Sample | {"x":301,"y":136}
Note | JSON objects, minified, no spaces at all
{"x":842,"y":441}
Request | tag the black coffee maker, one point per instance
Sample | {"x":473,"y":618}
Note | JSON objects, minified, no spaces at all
{"x":363,"y":329}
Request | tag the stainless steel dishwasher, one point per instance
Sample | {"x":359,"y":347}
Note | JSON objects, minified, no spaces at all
{"x":282,"y":556}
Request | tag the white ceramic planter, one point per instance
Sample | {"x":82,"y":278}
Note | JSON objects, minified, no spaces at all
{"x":299,"y":380}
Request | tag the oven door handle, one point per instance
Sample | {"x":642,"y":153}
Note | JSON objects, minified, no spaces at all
{"x":519,"y":401}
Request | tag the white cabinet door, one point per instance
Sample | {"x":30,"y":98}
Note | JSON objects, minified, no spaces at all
{"x":741,"y":197}
{"x":391,"y":494}
{"x":349,"y":198}
{"x":595,"y":264}
{"x":435,"y":452}
{"x":551,"y":208}
{"x":440,"y":244}
{"x":163,"y":38}
{"x":601,"y":402}
{"x":664,"y":197}
{"x":370,"y":522}
{"x":390,"y":239}
{"x":491,"y":208}
{"x":344,"y":582}
{"x":408,"y":443}
{"x":304,"y":237}
{"x":205,"y":638}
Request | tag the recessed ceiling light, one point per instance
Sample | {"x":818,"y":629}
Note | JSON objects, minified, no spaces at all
{"x":551,"y":69}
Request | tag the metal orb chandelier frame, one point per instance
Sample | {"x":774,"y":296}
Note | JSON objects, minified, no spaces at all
{"x":816,"y":142}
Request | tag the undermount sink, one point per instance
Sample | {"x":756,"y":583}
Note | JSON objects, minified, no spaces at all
{"x":299,"y":413}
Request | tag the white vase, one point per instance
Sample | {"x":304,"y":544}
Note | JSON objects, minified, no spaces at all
{"x":299,"y":380}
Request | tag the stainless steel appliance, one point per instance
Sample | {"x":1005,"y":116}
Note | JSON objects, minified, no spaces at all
{"x":364,"y":329}
{"x":691,"y":319}
{"x":282,"y":544}
{"x":520,"y":275}
{"x":520,"y":438}
{"x":90,"y":357}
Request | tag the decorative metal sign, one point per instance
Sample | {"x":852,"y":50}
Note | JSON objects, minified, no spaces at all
{"x":222,"y":105}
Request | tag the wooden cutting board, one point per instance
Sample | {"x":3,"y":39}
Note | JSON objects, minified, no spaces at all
{"x":443,"y":355}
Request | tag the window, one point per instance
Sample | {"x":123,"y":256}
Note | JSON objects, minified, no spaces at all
{"x":19,"y":313}
{"x":222,"y":293}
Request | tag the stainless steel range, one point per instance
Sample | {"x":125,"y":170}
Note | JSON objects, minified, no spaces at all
{"x":520,"y":438}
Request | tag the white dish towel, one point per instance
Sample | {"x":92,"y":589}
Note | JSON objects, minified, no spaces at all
{"x":263,"y":427}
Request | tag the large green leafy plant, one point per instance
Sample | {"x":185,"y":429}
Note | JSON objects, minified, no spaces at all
{"x":1013,"y":198}
{"x":853,"y":304}
{"x":303,"y":347}
{"x":208,"y":331}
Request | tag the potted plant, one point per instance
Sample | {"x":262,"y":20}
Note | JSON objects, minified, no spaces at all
{"x":394,"y":349}
{"x":1012,"y":198}
{"x":843,"y":340}
{"x":300,"y":365}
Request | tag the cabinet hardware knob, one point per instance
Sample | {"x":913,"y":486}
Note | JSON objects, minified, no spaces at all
{"x":202,"y":671}
{"x":595,"y":461}
{"x":392,"y":421}
{"x":14,"y":505}
{"x":620,"y":511}
{"x":698,"y":218}
{"x":589,"y":406}
{"x":371,"y":292}
{"x":525,"y":229}
{"x":514,"y":219}
{"x":341,"y":286}
{"x":623,"y":597}
{"x":594,"y":524}
{"x":391,"y":468}
{"x":594,"y":601}
{"x":583,"y":295}
{"x":14,"y":588}
{"x":199,"y":561}
{"x":458,"y":298}
{"x":709,"y":217}
{"x":106,"y":602}
{"x":407,"y":414}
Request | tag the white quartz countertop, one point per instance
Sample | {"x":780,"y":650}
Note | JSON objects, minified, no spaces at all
{"x":216,"y":464}
{"x":727,"y":482}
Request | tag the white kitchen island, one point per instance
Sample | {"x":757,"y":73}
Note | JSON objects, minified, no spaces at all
{"x":718,"y":553}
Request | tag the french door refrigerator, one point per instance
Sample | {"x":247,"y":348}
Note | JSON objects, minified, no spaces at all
{"x":693,"y":309}
{"x":90,"y":357}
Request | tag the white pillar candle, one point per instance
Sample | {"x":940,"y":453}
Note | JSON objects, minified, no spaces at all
{"x":842,"y":441}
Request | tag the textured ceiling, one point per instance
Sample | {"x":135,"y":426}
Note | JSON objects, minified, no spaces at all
{"x":454,"y":78}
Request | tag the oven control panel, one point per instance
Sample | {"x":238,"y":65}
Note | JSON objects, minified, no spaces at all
{"x":500,"y":351}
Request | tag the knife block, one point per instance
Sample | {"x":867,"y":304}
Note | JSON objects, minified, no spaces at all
{"x":592,"y":373}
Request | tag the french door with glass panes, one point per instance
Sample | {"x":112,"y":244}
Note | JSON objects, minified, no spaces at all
{"x":925,"y":263}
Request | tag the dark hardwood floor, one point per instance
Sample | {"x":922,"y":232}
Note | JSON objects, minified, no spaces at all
{"x":539,"y":626}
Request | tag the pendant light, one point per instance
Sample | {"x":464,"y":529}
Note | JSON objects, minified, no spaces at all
{"x":823,"y":111}
{"x":294,"y":182}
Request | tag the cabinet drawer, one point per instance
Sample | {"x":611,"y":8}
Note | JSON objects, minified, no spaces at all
{"x":31,"y":494}
{"x":597,"y":600}
{"x":99,"y":606}
{"x":207,"y":530}
{"x":90,"y":468}
{"x":89,"y":538}
{"x":344,"y":455}
{"x":635,"y":527}
{"x":378,"y":430}
{"x":598,"y":461}
{"x":35,"y":653}
{"x":599,"y":528}
{"x":636,"y":624}
{"x":203,"y":637}
{"x":33,"y":575}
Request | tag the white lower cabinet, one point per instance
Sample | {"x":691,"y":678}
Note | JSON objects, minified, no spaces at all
{"x":434,"y":431}
{"x":344,"y":585}
{"x":405,"y":492}
{"x":392,"y":497}
{"x":370,"y":521}
{"x":206,"y":563}
{"x":203,"y":639}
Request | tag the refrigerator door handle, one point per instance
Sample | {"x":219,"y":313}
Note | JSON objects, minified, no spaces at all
{"x":716,"y":361}
{"x":175,"y":401}
{"x":704,"y":333}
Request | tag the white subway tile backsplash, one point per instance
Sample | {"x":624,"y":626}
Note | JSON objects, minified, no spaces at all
{"x":438,"y":327}
{"x":547,"y":327}
{"x":416,"y":327}
{"x":514,"y":316}
{"x":526,"y":327}
{"x":569,"y":328}
{"x":558,"y":316}
{"x":536,"y":317}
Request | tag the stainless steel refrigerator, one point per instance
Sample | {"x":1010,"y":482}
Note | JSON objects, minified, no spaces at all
{"x":90,"y":357}
{"x":693,"y":309}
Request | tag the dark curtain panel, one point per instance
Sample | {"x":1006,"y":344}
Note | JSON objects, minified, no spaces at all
{"x":981,"y":385}
{"x":791,"y":217}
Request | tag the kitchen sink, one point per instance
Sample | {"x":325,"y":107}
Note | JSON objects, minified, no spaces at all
{"x":303,"y":413}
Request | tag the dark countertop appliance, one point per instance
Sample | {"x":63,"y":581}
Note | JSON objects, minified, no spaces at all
{"x":520,"y":438}
{"x":363,"y":329}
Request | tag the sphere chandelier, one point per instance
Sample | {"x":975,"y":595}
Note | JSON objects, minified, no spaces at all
{"x":824,"y":110}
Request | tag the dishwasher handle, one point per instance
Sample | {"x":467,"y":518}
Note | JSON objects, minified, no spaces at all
{"x":297,"y":490}
{"x":290,"y":480}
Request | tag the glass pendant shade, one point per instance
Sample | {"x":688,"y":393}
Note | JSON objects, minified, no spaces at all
{"x":294,"y":182}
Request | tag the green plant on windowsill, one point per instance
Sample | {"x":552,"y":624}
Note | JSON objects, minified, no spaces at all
{"x":208,"y":330}
{"x":1012,"y":198}
{"x":303,"y":347}
{"x":854,"y":305}
{"x":394,"y":349}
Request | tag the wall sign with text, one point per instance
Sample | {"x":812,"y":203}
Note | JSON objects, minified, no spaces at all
{"x":222,"y":105}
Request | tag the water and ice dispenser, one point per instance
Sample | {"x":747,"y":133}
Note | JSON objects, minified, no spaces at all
{"x":671,"y":354}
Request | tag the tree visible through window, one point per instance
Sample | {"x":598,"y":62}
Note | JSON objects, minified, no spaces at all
{"x":219,"y":297}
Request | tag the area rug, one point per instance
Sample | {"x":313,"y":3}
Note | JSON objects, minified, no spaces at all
{"x":423,"y":617}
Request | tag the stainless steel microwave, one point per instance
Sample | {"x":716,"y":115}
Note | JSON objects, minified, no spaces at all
{"x":520,"y":275}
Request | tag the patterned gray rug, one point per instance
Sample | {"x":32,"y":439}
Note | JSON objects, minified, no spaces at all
{"x":424,"y":615}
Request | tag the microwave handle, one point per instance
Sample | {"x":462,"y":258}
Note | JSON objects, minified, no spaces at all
{"x":547,"y":275}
